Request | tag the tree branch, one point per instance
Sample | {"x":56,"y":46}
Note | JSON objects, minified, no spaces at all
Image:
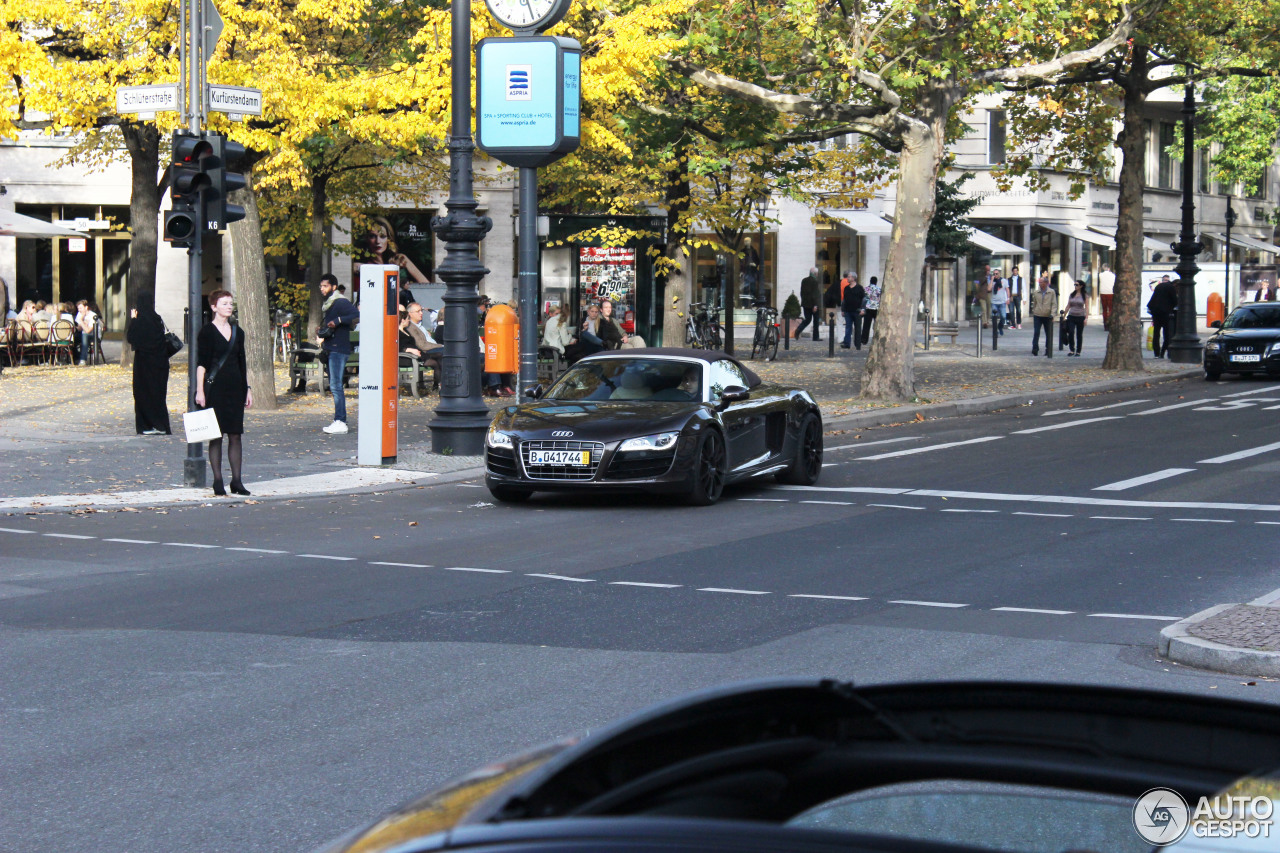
{"x":1065,"y":63}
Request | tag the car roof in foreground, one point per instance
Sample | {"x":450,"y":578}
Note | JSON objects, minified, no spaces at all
{"x":684,"y":354}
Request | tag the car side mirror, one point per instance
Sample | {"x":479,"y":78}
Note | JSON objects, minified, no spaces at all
{"x":1216,"y":324}
{"x":732,"y":394}
{"x":535,"y":392}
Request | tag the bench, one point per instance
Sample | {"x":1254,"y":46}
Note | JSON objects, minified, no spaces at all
{"x":414,"y":372}
{"x":943,"y":330}
{"x":307,"y":364}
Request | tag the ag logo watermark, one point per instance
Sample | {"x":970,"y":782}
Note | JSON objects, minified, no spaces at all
{"x":1162,"y":817}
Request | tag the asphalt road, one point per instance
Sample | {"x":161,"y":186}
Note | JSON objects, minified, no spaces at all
{"x":264,"y":676}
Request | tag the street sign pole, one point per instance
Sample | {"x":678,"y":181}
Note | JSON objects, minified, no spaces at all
{"x":193,"y":472}
{"x":528,"y":281}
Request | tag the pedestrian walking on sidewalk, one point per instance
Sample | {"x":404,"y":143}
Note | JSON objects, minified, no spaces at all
{"x":222,"y":381}
{"x":1017,"y":287}
{"x":1162,"y":305}
{"x":1044,"y":304}
{"x":810,"y":299}
{"x":855,"y":295}
{"x":870,"y":308}
{"x":1077,"y":311}
{"x":340,"y":317}
{"x":146,"y":334}
{"x":999,"y":303}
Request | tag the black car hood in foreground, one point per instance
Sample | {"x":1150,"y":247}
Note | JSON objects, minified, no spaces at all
{"x":598,"y":421}
{"x":768,"y":752}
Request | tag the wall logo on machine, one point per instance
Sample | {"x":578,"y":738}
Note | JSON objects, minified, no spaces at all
{"x":519,"y":83}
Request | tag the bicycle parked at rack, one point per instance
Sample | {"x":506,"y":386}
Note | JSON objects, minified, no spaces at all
{"x":702,"y":327}
{"x":765,"y":340}
{"x":286,"y":341}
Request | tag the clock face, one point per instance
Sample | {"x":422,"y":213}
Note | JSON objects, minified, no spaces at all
{"x":528,"y":14}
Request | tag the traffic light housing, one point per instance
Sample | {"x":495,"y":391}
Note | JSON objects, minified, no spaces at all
{"x":187,"y":181}
{"x":218,"y":212}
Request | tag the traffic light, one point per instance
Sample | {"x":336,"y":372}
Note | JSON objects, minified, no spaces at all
{"x":186,"y":181}
{"x":218,"y":213}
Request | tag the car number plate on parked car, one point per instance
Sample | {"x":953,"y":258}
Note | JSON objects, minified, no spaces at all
{"x":1246,"y":358}
{"x":559,"y":457}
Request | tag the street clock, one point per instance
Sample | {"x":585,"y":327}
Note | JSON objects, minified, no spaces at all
{"x":524,"y":16}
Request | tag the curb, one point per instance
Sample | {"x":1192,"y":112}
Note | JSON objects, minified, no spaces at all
{"x":980,"y":405}
{"x":1177,"y":644}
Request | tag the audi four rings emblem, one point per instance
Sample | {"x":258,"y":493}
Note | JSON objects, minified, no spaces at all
{"x":562,"y":433}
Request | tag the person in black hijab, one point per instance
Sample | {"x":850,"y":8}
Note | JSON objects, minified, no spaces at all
{"x":150,"y":368}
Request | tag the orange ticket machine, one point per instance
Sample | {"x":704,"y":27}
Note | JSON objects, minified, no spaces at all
{"x":379,"y":416}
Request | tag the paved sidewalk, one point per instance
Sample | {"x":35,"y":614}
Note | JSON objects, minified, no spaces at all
{"x":1243,"y":639}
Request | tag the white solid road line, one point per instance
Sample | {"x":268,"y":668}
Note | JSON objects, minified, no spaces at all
{"x":1035,"y":610}
{"x":870,"y":443}
{"x":829,"y":597}
{"x":1143,"y":480}
{"x":1172,"y":407}
{"x":1067,"y":425}
{"x":1240,"y":454}
{"x":927,"y":603}
{"x":1254,"y":391}
{"x":931,"y":447}
{"x":1093,"y":409}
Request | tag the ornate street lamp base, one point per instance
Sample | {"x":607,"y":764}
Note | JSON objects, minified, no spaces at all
{"x":1186,"y":352}
{"x":459,"y":438}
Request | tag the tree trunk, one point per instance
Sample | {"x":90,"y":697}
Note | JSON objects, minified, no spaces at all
{"x":1124,"y":335}
{"x":315,"y":261}
{"x":143,"y":144}
{"x":890,"y":371}
{"x":251,"y":286}
{"x":676,"y":301}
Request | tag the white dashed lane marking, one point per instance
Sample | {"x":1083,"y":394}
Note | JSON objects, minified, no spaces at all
{"x":1066,"y":425}
{"x":643,"y":584}
{"x":1143,"y":480}
{"x":1206,"y":520}
{"x":68,"y":536}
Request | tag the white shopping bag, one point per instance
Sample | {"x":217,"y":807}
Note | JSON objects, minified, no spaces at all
{"x":201,"y":425}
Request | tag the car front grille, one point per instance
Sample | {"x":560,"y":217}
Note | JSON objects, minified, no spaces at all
{"x":640,"y":465}
{"x":561,"y":472}
{"x":501,"y":460}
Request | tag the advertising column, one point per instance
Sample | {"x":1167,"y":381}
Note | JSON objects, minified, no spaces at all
{"x":379,"y":364}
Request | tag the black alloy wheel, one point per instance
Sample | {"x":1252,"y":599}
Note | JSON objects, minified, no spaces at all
{"x":807,"y":464}
{"x":709,"y":470}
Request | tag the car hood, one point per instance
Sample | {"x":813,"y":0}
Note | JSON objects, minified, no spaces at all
{"x":1247,"y":334}
{"x":593,"y":421}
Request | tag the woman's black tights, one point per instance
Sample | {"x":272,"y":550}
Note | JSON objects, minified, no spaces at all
{"x":235,"y":454}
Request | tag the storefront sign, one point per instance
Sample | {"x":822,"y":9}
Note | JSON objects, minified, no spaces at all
{"x":528,"y":98}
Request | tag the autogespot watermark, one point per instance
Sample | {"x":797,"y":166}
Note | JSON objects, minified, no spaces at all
{"x":1162,"y":817}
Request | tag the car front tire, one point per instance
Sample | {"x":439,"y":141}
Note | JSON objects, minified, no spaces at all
{"x":1211,"y":375}
{"x":807,"y":463}
{"x":709,"y":469}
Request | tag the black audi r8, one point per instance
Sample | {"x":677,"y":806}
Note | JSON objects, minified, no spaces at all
{"x":1248,"y":341}
{"x":658,"y":420}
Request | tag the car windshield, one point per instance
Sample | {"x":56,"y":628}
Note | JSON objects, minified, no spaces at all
{"x":1254,"y":317}
{"x":657,"y":380}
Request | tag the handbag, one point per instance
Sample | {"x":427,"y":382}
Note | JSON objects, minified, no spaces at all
{"x":212,"y":374}
{"x":172,"y":343}
{"x":201,"y":425}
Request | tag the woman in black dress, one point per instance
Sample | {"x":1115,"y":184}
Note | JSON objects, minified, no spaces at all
{"x":150,"y":368}
{"x":223,"y":380}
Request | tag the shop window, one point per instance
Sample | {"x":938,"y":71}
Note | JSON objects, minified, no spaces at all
{"x":995,"y":136}
{"x":1164,"y":172}
{"x":1203,"y":163}
{"x":1258,"y":189}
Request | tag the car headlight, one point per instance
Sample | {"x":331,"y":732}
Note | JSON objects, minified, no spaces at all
{"x":498,"y":439}
{"x":661,"y":441}
{"x":1212,"y":346}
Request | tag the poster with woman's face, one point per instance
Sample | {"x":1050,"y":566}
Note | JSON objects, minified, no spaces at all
{"x":403,"y":238}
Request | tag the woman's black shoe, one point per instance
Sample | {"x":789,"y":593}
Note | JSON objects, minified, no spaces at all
{"x":237,"y":488}
{"x":219,"y":490}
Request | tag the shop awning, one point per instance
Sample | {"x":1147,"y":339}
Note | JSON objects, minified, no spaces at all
{"x":995,"y":245}
{"x":1147,"y":242}
{"x":14,"y":224}
{"x":1250,"y":242}
{"x":862,"y":221}
{"x":1079,"y":233}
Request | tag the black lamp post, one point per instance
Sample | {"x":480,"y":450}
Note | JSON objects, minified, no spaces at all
{"x":462,"y":417}
{"x":1185,"y":348}
{"x":1226,"y":284}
